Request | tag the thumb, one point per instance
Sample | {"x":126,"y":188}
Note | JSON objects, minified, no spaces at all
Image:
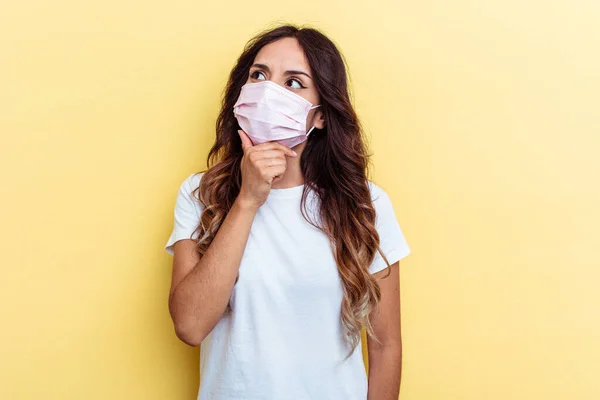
{"x":246,"y":142}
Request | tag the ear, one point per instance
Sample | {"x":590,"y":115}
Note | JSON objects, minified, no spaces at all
{"x":318,"y":119}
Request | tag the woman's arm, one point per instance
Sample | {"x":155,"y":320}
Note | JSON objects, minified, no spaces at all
{"x":385,"y":358}
{"x":201,"y":287}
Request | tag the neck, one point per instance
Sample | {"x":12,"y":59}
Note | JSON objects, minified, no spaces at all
{"x":293,"y":173}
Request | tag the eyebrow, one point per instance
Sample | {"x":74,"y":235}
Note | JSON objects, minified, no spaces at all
{"x":289,"y":72}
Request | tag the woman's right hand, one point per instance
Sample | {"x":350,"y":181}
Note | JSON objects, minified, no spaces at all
{"x":262,"y":165}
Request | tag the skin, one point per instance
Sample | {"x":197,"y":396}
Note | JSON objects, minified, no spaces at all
{"x":385,"y":358}
{"x":201,"y":287}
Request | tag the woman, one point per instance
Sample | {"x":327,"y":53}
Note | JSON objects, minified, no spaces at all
{"x":282,"y":248}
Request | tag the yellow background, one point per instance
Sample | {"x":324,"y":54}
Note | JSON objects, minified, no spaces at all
{"x":484,"y":119}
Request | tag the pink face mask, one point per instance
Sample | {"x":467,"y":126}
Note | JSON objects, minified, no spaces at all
{"x":269,"y":112}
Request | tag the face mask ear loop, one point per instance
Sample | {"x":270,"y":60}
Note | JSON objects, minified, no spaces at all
{"x":313,"y":127}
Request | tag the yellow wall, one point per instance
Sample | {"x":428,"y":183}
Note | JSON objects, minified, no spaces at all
{"x":485,"y":123}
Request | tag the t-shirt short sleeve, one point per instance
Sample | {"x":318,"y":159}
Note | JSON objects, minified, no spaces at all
{"x":188,"y":210}
{"x":392,"y":241}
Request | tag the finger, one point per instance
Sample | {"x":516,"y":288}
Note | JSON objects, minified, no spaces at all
{"x":275,"y":171}
{"x":277,"y":146}
{"x":269,"y":162}
{"x":246,"y":142}
{"x":262,"y":154}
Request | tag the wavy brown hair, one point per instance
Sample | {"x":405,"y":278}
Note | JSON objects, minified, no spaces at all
{"x":334,"y":164}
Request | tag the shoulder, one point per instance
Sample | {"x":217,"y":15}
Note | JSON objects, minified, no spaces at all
{"x":192,"y":181}
{"x":188,"y":210}
{"x":378,"y":194}
{"x":190,"y":184}
{"x":392,"y":241}
{"x":384,"y":207}
{"x":188,"y":195}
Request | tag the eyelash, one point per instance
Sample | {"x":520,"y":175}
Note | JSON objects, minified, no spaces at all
{"x":297,"y":80}
{"x":254,"y":75}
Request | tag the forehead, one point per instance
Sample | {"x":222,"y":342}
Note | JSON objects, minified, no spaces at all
{"x":285,"y":53}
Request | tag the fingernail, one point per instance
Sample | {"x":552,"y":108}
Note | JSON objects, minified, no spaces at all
{"x":294,"y":153}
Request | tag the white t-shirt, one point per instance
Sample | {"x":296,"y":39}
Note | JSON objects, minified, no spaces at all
{"x":283,"y":339}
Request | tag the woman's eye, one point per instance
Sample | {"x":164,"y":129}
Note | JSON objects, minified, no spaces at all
{"x":258,"y":75}
{"x":295,"y":84}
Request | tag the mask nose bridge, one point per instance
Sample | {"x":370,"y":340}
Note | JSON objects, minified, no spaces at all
{"x":274,"y":88}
